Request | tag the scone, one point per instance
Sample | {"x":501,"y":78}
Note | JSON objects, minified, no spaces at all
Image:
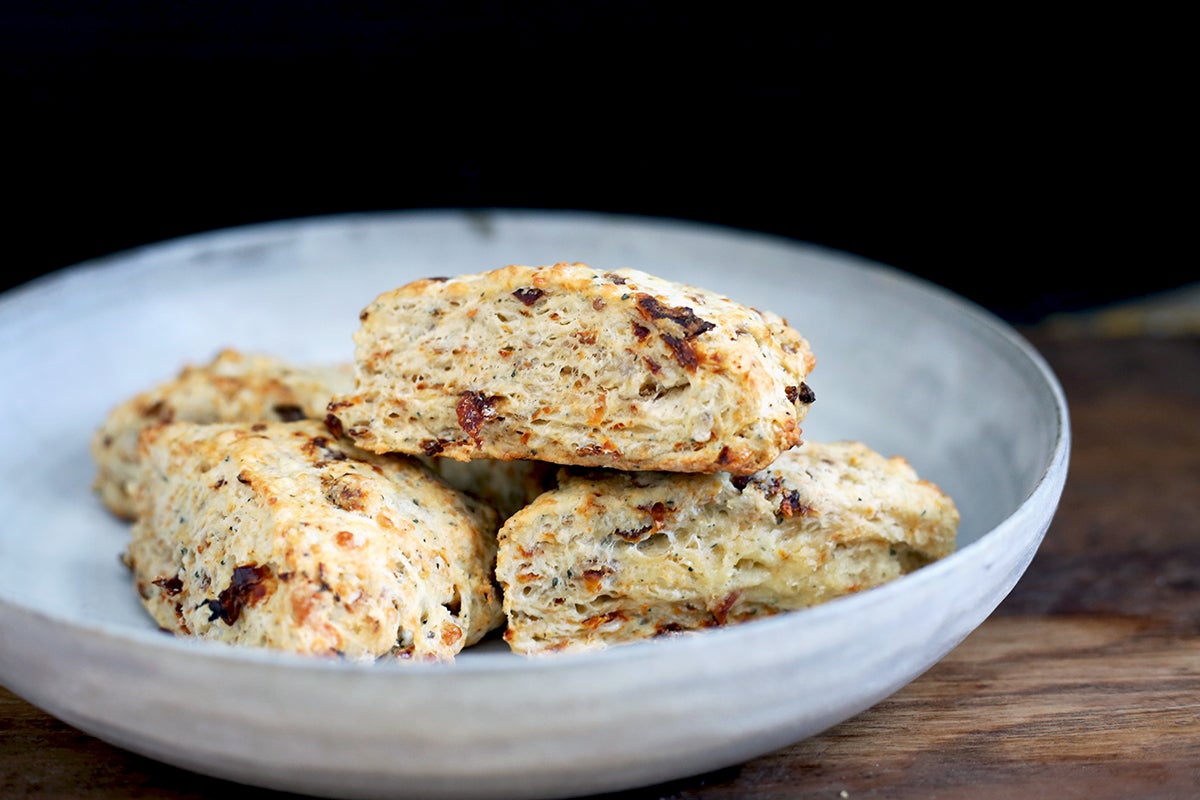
{"x":572,"y":365}
{"x":276,"y":535}
{"x":233,"y":387}
{"x":609,"y":558}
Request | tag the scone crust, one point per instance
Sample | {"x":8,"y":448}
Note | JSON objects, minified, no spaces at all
{"x":573,"y":365}
{"x":234,"y":386}
{"x":276,"y":535}
{"x":611,"y":558}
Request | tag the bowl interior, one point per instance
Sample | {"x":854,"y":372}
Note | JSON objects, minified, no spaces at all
{"x":902,"y":365}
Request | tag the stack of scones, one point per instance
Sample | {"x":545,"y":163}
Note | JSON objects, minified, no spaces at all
{"x":564,"y":457}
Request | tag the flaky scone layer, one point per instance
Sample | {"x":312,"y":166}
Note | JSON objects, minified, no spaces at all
{"x":611,"y":558}
{"x":572,"y":365}
{"x":277,"y":535}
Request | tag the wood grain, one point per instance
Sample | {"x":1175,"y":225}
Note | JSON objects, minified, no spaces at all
{"x":1085,"y":682}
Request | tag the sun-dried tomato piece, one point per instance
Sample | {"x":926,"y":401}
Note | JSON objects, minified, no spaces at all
{"x":170,"y":585}
{"x":248,"y":585}
{"x":432,"y":447}
{"x":474,"y":409}
{"x":684,"y":317}
{"x":528,"y":296}
{"x":334,"y":425}
{"x":790,"y":506}
{"x":685,"y":354}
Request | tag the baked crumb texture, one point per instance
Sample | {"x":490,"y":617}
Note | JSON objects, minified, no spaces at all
{"x":611,"y":558}
{"x":572,"y":365}
{"x":277,"y":535}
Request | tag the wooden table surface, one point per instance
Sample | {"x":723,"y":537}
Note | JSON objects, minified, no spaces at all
{"x":1084,"y":683}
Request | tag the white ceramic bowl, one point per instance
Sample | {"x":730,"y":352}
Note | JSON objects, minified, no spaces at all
{"x":903,"y":366}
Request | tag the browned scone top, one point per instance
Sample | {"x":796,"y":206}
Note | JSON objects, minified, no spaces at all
{"x":613,"y":558}
{"x":277,"y":535}
{"x":579,"y":366}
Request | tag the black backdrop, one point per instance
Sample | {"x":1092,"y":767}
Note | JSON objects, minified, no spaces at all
{"x":976,"y":152}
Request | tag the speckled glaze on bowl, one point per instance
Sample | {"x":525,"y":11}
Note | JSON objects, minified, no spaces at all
{"x":903,"y":366}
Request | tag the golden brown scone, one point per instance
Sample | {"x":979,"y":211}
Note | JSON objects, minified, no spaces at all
{"x":233,"y":387}
{"x":610,"y":558}
{"x":277,"y":535}
{"x":573,"y":365}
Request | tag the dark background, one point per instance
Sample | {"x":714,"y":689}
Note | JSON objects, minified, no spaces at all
{"x":985,"y":153}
